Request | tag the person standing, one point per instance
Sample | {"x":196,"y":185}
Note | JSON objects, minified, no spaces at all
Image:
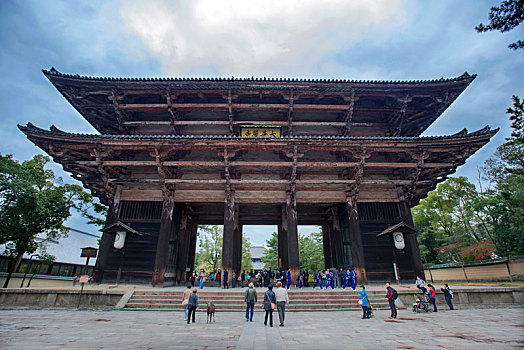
{"x":192,"y":305}
{"x":269,"y":301}
{"x":288,"y":278}
{"x":432,"y":294}
{"x":421,"y":284}
{"x":353,"y":279}
{"x":448,"y":294}
{"x":250,"y":298}
{"x":242,"y":278}
{"x":329,"y":279}
{"x":306,"y":279}
{"x":282,"y":299}
{"x":364,"y":304}
{"x":233,"y":279}
{"x":217,"y":277}
{"x":336,"y":278}
{"x":185,"y":300}
{"x":347,"y":281}
{"x":225,"y":278}
{"x":318,"y":280}
{"x":390,"y":296}
{"x":201,"y":277}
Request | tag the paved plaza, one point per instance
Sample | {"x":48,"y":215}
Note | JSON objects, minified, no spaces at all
{"x":89,"y":329}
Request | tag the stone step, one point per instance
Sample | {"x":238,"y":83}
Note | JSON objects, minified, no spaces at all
{"x":230,"y":301}
{"x":240,"y":307}
{"x":358,"y":309}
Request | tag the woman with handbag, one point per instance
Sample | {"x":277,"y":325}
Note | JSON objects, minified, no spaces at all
{"x":270,"y":304}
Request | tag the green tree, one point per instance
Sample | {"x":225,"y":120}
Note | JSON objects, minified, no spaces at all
{"x":210,"y":248}
{"x":311,"y":253}
{"x":270,"y":257}
{"x":34,"y":205}
{"x":504,"y":18}
{"x":503,"y":202}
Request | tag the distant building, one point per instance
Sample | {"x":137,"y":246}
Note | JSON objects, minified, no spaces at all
{"x":256,"y":257}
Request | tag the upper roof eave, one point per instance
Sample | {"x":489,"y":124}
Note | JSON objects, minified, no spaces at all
{"x":465,"y":77}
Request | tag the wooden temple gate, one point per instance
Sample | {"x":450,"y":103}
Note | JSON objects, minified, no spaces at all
{"x":173,"y":154}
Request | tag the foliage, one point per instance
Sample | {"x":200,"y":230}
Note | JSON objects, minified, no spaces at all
{"x":504,"y":18}
{"x":34,"y":205}
{"x":210,"y":249}
{"x":270,"y":257}
{"x":311,"y":254}
{"x":474,"y":224}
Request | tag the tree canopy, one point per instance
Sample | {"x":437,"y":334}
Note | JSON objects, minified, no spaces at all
{"x":504,"y":18}
{"x":457,"y":221}
{"x":311,"y":254}
{"x":210,"y":249}
{"x":34,"y":205}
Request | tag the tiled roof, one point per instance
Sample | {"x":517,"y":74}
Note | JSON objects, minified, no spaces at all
{"x":54,"y":131}
{"x":54,"y":72}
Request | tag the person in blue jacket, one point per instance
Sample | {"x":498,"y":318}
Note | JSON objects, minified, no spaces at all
{"x":318,"y":280}
{"x":299,"y":281}
{"x":347,"y":280}
{"x":365,"y":304}
{"x":353,"y":279}
{"x":192,"y":305}
{"x":329,"y":280}
{"x":288,"y":278}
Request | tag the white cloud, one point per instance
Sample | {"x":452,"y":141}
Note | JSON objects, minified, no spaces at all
{"x":255,"y":37}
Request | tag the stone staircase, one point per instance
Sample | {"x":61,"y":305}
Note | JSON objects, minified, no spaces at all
{"x":233,"y":300}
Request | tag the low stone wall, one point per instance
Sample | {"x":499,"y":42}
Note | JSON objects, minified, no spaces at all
{"x":59,"y":298}
{"x":496,"y":270}
{"x":473,"y":296}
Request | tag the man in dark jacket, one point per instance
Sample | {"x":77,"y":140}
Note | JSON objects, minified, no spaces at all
{"x":391,"y":301}
{"x":225,"y":279}
{"x":250,"y":299}
{"x":448,"y":294}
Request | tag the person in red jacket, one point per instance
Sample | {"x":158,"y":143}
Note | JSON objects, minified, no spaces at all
{"x":432,"y":297}
{"x":391,"y":301}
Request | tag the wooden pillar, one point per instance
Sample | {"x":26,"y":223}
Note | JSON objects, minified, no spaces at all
{"x":357,"y":250}
{"x":192,"y":244}
{"x":237,"y":237}
{"x":337,"y":243}
{"x":282,"y":241}
{"x":326,"y":244}
{"x":108,"y":239}
{"x":292,"y":236}
{"x":411,"y":240}
{"x":164,"y":234}
{"x":106,"y":245}
{"x":184,"y":237}
{"x":228,"y":246}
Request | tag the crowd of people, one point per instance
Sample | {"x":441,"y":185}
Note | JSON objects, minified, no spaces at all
{"x":278,"y":300}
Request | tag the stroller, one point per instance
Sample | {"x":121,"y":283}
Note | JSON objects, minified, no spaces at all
{"x":422,"y":305}
{"x":369,"y":311}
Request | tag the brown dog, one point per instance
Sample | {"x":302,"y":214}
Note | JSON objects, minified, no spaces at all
{"x":210,"y":312}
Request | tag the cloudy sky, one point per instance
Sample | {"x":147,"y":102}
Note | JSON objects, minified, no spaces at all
{"x":376,"y":40}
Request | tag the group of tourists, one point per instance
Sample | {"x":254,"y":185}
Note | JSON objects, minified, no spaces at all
{"x":273,"y":300}
{"x":279,"y":299}
{"x":336,"y":278}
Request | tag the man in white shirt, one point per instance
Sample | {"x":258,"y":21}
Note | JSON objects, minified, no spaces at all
{"x":282,"y":300}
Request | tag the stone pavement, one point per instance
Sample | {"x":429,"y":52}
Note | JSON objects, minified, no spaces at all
{"x":91,"y":329}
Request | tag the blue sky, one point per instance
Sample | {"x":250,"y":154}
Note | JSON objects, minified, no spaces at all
{"x":382,"y":39}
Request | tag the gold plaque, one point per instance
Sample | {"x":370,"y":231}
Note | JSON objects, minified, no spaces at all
{"x":267,"y":132}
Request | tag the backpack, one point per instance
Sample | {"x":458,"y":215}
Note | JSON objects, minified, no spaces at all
{"x":394,"y":294}
{"x":450,"y":293}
